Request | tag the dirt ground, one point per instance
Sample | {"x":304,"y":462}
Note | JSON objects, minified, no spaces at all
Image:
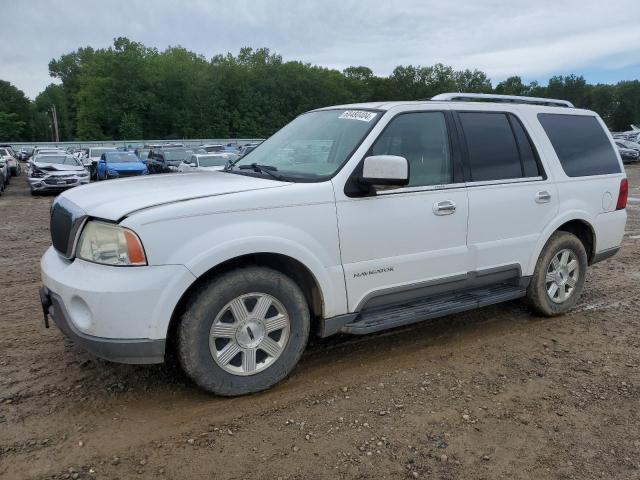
{"x":494,"y":393}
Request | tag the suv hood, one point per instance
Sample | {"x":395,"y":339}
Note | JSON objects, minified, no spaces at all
{"x":56,"y":167}
{"x":115,"y":199}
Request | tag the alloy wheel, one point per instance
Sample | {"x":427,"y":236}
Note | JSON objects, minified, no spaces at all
{"x":563,"y":273}
{"x":249,"y":334}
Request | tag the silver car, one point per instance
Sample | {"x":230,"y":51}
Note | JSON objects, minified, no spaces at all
{"x":54,"y":173}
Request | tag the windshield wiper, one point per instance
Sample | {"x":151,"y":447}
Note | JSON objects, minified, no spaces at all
{"x":268,"y":169}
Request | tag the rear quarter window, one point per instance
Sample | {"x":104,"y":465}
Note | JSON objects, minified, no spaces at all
{"x":582,"y":146}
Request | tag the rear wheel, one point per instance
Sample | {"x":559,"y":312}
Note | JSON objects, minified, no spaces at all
{"x":244,"y":331}
{"x":559,"y":276}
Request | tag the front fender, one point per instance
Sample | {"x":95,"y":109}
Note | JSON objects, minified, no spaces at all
{"x":329,"y":278}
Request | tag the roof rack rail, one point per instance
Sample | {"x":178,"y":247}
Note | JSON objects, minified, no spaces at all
{"x":487,"y":97}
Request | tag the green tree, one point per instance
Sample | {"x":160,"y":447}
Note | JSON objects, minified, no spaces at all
{"x":15,"y":115}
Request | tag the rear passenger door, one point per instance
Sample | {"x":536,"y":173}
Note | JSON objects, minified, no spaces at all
{"x":511,"y":199}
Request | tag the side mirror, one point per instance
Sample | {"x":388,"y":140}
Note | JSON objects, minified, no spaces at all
{"x":385,"y":171}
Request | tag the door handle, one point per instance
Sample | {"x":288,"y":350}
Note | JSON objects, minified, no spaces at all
{"x":543,"y":197}
{"x":446,"y":207}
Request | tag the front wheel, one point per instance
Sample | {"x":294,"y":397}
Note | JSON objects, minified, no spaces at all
{"x":244,"y":331}
{"x":559,"y":276}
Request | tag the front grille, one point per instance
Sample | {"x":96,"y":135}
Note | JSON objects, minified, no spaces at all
{"x":64,"y":176}
{"x":60,"y":181}
{"x":66,"y":220}
{"x":129,"y":173}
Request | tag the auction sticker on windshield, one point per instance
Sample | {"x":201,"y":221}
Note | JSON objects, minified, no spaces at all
{"x":361,"y":115}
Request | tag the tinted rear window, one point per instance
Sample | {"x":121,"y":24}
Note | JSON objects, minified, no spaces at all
{"x":581,"y":144}
{"x":493,"y":152}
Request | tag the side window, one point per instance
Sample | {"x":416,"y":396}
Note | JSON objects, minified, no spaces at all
{"x":528,"y":155}
{"x":581,"y":144}
{"x":493,"y":152}
{"x":422,"y":139}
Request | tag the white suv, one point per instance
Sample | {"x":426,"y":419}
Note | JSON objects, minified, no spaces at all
{"x":350,"y":219}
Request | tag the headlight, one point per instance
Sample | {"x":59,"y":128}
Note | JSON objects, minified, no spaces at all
{"x":110,"y":244}
{"x":83,"y":174}
{"x":35,"y":173}
{"x":173,"y":168}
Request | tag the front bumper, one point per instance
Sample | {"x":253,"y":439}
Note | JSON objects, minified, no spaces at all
{"x":139,"y":351}
{"x":41,"y":185}
{"x":114,"y":305}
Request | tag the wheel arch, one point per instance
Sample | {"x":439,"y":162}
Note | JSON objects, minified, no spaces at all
{"x":578,"y":223}
{"x":290,"y":266}
{"x":585,"y":233}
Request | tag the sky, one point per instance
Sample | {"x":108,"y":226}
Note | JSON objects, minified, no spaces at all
{"x":536,"y":40}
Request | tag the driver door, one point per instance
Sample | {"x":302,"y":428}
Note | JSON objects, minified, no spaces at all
{"x":399,"y":245}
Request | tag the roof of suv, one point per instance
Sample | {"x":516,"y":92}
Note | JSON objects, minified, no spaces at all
{"x":468,"y":99}
{"x":391,"y":104}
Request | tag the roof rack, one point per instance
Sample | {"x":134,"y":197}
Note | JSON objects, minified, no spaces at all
{"x":462,"y":97}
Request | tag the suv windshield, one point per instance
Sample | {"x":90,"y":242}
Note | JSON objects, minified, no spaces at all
{"x":314,"y":145}
{"x":121,"y":158}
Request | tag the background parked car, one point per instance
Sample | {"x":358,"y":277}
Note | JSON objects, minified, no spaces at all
{"x":6,"y":159}
{"x":628,"y":144}
{"x":214,"y":147}
{"x":204,"y":162}
{"x":94,"y":154}
{"x":246,"y":149}
{"x":25,"y":153}
{"x":4,"y":174}
{"x":118,"y":164}
{"x":629,"y":155}
{"x":166,"y":160}
{"x":54,"y":173}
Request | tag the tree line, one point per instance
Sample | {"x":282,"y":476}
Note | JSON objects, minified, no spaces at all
{"x":130,"y":91}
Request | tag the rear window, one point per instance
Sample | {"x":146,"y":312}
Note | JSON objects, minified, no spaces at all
{"x":581,"y":144}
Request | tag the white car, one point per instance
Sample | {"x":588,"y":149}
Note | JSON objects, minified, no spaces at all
{"x":353,"y":219}
{"x":4,"y":174}
{"x":10,"y":165}
{"x":55,"y":173}
{"x":204,"y":162}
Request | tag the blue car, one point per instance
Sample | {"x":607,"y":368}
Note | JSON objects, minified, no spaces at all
{"x":116,"y":164}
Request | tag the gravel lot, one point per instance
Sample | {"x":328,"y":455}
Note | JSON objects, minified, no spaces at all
{"x":494,"y":393}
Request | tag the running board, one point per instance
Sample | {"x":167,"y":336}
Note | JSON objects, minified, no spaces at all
{"x":378,"y":319}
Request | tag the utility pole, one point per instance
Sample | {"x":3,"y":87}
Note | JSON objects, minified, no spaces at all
{"x":54,"y":114}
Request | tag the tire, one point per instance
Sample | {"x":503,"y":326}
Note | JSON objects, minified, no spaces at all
{"x":544,"y":298}
{"x":211,"y":363}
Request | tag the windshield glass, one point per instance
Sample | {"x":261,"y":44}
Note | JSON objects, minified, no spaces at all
{"x":314,"y":145}
{"x":121,"y":158}
{"x":58,"y":160}
{"x":97,"y":152}
{"x":212,"y":161}
{"x":177,"y":154}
